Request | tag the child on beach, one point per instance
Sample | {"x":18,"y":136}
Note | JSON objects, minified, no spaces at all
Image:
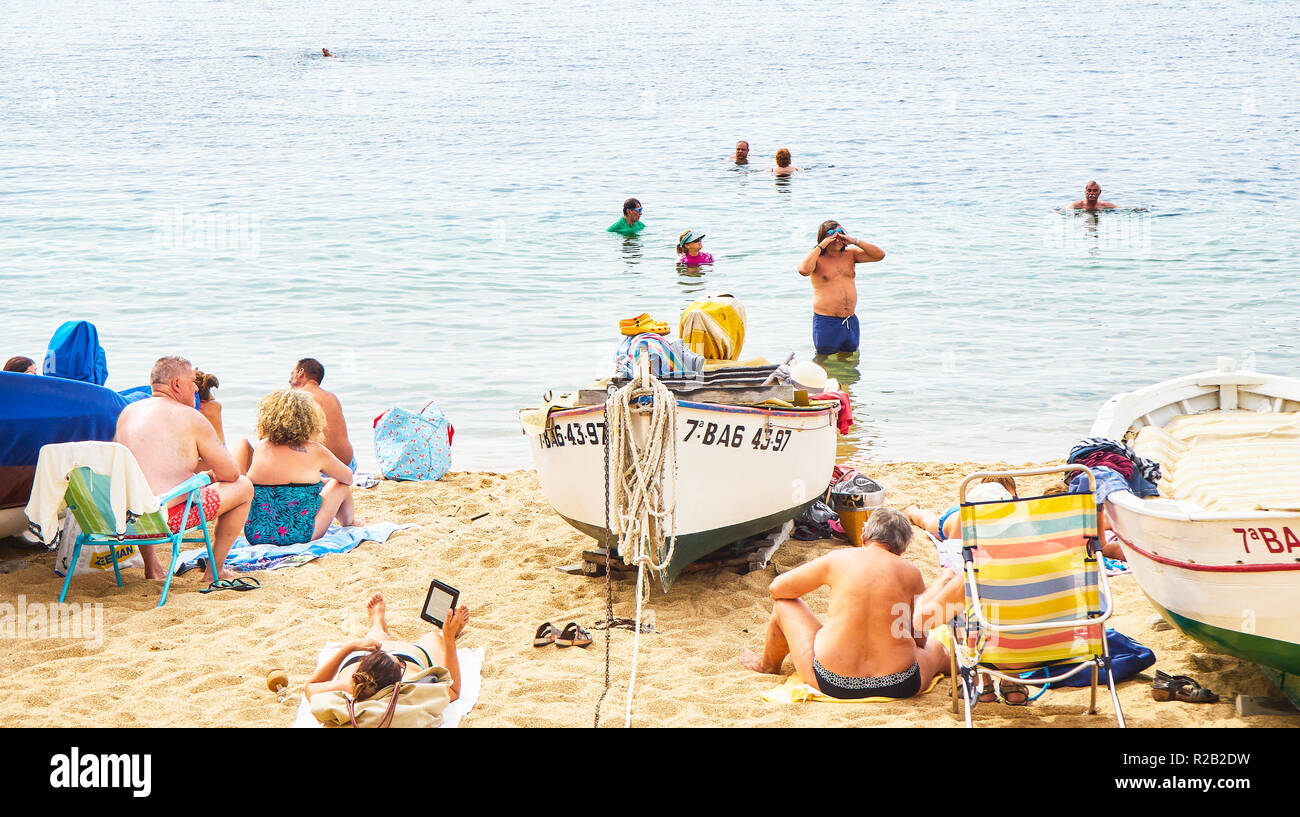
{"x":690,"y":244}
{"x":291,"y":504}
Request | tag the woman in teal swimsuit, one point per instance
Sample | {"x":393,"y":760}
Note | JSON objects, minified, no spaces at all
{"x":291,"y":504}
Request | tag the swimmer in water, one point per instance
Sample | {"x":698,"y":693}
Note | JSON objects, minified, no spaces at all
{"x":783,"y":167}
{"x":327,"y":53}
{"x":690,"y":244}
{"x":741,"y":156}
{"x":630,"y":224}
{"x":1091,"y":199}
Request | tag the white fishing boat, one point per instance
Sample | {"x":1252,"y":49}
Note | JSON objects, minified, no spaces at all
{"x":1218,"y":554}
{"x":740,"y":468}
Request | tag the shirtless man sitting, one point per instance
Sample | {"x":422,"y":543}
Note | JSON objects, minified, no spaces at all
{"x":1091,"y":199}
{"x":866,"y":647}
{"x":831,"y":265}
{"x":307,"y":375}
{"x":172,"y":442}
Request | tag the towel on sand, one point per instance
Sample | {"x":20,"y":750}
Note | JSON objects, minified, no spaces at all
{"x":794,"y":691}
{"x":245,"y":557}
{"x":471,"y":679}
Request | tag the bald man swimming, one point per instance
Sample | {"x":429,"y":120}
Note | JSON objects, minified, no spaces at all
{"x":1091,"y":199}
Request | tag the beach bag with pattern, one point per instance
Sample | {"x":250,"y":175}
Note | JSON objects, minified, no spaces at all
{"x":413,"y":446}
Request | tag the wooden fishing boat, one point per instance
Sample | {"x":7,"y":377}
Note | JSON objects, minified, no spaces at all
{"x":741,"y":468}
{"x":1228,"y":578}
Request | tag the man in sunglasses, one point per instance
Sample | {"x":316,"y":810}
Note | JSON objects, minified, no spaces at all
{"x":831,"y":266}
{"x":630,"y":224}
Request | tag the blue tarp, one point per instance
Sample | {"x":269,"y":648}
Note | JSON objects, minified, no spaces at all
{"x":75,"y":354}
{"x":36,"y":410}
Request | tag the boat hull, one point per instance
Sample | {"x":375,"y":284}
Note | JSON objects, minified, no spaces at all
{"x":1229,"y":580}
{"x":739,"y":471}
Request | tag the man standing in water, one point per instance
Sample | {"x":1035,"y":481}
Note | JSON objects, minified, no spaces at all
{"x":831,"y":266}
{"x":742,"y":153}
{"x":1091,"y":199}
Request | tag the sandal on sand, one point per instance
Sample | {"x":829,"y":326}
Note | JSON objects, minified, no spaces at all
{"x":1168,"y":687}
{"x":243,"y":583}
{"x":1008,"y":688}
{"x":546,"y":634}
{"x":988,"y":692}
{"x":573,"y":636}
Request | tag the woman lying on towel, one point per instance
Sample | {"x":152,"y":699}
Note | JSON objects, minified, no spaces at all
{"x":291,"y":504}
{"x":377,"y":661}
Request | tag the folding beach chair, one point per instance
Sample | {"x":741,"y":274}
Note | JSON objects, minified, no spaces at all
{"x":1036,"y":594}
{"x":88,"y":497}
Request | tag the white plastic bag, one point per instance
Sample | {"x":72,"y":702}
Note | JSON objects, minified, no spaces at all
{"x":94,"y":558}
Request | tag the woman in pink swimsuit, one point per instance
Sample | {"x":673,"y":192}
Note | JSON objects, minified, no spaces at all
{"x":690,"y":245}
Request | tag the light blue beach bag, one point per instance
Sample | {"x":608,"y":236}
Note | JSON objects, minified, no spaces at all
{"x":413,"y":446}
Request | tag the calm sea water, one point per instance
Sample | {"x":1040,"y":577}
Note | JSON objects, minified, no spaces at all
{"x":426,"y":214}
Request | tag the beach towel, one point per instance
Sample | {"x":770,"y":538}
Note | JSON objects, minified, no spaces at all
{"x":795,"y":691}
{"x":246,"y":557}
{"x":471,"y":680}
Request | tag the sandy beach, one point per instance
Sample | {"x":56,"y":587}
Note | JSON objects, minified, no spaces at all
{"x":202,"y":659}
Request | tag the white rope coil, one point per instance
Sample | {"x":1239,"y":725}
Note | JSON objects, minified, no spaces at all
{"x":640,"y":513}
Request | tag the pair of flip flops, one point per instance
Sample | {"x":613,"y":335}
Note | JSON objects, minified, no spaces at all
{"x":1168,"y":687}
{"x":571,"y":636}
{"x":242,"y":584}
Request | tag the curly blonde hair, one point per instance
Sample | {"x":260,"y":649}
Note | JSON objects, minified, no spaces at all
{"x":289,"y":417}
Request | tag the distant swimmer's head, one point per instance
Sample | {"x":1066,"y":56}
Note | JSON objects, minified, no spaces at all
{"x":289,"y":417}
{"x":1092,"y":192}
{"x":783,"y":158}
{"x":829,"y":227}
{"x":632,"y":211}
{"x":690,"y":243}
{"x":326,"y":52}
{"x":742,"y":152}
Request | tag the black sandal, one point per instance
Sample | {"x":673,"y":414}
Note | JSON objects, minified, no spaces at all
{"x":1168,"y":687}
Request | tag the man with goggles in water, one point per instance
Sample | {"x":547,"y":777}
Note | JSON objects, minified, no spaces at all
{"x":831,"y":266}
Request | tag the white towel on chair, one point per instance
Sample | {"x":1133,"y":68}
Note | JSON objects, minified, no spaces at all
{"x":471,"y":679}
{"x":130,"y":490}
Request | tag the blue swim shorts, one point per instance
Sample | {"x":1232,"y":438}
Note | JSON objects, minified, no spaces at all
{"x":831,"y":335}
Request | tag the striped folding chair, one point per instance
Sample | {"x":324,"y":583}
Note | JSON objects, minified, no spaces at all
{"x":1036,"y":592}
{"x":88,"y":500}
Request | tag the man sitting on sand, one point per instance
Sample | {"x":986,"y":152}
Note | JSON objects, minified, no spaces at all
{"x":866,"y":647}
{"x":831,"y":266}
{"x":172,"y":442}
{"x":1091,"y":199}
{"x":307,"y":375}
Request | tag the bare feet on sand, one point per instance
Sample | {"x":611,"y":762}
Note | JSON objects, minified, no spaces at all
{"x":752,"y":660}
{"x":376,"y":607}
